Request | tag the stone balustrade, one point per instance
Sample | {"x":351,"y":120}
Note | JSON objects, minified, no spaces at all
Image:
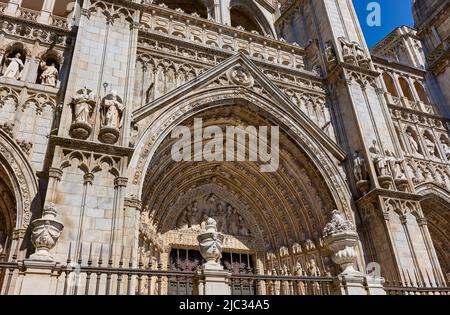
{"x":405,"y":102}
{"x":59,"y":21}
{"x":28,"y":14}
{"x":197,"y":30}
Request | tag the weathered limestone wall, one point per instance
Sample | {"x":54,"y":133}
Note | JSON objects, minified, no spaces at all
{"x":89,"y":194}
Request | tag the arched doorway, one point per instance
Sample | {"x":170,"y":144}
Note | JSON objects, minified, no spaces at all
{"x":19,"y":199}
{"x":273,"y":222}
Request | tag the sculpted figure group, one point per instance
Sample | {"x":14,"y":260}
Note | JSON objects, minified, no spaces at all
{"x":229,"y":221}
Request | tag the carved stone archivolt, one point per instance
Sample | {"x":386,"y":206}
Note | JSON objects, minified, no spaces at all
{"x":22,"y":175}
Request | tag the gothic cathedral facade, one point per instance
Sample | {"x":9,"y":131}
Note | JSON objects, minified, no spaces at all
{"x":91,"y":91}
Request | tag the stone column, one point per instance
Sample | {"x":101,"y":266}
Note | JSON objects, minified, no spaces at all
{"x":46,"y":12}
{"x":225,"y":12}
{"x":212,"y":279}
{"x":12,"y":7}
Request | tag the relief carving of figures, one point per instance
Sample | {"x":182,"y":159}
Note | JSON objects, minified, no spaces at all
{"x":83,"y":104}
{"x":360,"y":173}
{"x":313,"y":269}
{"x":111,"y":115}
{"x":194,"y":217}
{"x":49,"y":75}
{"x":15,"y":67}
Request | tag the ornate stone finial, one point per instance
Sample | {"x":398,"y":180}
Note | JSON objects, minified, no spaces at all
{"x":211,"y":245}
{"x":338,"y":224}
{"x":340,"y":236}
{"x":45,"y":233}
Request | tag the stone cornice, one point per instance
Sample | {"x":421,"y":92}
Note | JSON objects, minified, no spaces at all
{"x":375,"y":194}
{"x":380,"y":61}
{"x":392,"y":38}
{"x":90,"y":146}
{"x":419,"y":113}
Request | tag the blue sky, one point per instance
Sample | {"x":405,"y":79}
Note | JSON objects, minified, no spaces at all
{"x":393,"y":13}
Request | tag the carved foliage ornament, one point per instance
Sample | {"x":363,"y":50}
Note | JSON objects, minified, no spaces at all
{"x":45,"y":233}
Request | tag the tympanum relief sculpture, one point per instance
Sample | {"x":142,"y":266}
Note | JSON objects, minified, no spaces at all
{"x":194,"y":217}
{"x":83,"y":104}
{"x":111,"y":114}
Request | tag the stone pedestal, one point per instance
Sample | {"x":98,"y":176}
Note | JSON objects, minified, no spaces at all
{"x":212,"y":279}
{"x":375,"y":286}
{"x":350,"y":284}
{"x":40,"y":278}
{"x":213,"y":282}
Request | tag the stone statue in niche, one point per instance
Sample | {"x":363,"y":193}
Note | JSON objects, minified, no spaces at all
{"x":396,"y":169}
{"x":309,"y":245}
{"x":15,"y":67}
{"x":49,"y":75}
{"x":83,"y":104}
{"x":233,"y":226}
{"x":413,"y":143}
{"x":445,"y":147}
{"x":379,"y":159}
{"x":360,"y":173}
{"x":380,"y":162}
{"x":330,"y":55}
{"x":111,"y":114}
{"x":431,"y":147}
{"x":313,"y":269}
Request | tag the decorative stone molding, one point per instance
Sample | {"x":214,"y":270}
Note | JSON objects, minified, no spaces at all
{"x":45,"y":233}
